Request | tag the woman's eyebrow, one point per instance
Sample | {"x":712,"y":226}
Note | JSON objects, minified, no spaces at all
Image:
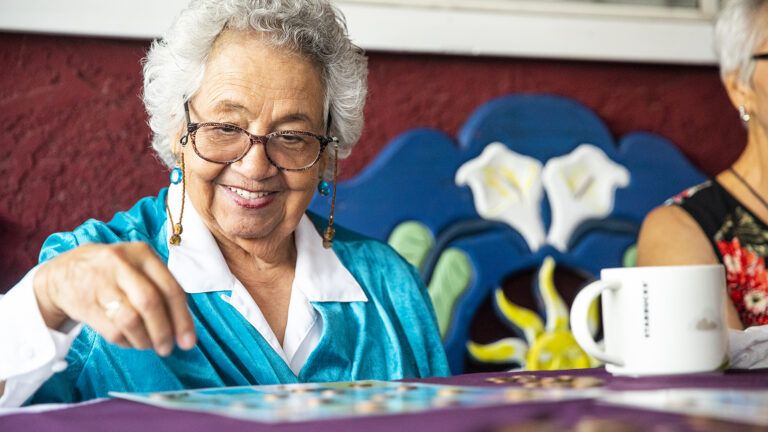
{"x":228,"y":105}
{"x":293,"y":117}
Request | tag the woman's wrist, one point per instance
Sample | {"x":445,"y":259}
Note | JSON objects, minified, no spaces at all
{"x":53,"y":316}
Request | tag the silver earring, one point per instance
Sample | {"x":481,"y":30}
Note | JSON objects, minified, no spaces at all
{"x":745,"y":117}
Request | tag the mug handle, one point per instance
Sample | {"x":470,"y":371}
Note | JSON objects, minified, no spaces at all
{"x":579,"y":320}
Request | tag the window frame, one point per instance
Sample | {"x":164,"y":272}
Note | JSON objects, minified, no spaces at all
{"x":509,"y":28}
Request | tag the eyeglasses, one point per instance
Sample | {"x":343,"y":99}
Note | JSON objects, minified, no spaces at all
{"x":762,"y":56}
{"x":225,"y":143}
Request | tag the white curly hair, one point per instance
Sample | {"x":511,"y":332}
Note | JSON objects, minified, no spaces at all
{"x":175,"y":64}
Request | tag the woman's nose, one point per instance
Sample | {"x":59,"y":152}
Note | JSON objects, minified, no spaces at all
{"x":255,"y":164}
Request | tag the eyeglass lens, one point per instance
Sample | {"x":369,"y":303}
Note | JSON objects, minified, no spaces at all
{"x":220,"y":143}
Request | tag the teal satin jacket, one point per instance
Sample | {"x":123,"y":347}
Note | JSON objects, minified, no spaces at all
{"x":391,"y":336}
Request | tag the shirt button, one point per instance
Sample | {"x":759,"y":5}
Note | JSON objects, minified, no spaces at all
{"x":59,"y":366}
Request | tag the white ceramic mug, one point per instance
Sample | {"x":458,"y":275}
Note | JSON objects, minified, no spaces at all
{"x":656,"y":320}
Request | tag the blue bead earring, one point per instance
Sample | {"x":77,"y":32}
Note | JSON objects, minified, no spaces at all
{"x":176,"y":175}
{"x":323,"y":187}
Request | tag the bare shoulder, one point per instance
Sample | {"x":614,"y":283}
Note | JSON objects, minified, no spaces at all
{"x":670,"y":236}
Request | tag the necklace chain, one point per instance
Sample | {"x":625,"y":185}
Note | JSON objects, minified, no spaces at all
{"x":753,"y":191}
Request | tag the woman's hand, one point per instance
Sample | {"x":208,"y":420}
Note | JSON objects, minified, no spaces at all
{"x":123,"y":291}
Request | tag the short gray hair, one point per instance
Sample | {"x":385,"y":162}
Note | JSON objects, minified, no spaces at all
{"x":738,"y":33}
{"x":175,"y":64}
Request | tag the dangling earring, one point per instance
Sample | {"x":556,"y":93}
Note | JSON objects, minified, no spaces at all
{"x":745,"y":117}
{"x":329,"y":231}
{"x":323,"y":187}
{"x":177,"y":175}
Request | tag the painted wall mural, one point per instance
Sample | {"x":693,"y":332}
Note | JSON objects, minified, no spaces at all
{"x":507,"y":221}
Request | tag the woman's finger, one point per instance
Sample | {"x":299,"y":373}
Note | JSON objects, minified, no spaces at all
{"x":98,"y":320}
{"x":151,"y":314}
{"x":175,"y":300}
{"x":131,"y":324}
{"x":116,"y":308}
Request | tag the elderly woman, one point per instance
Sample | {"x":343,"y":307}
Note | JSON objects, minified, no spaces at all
{"x":724,"y":219}
{"x":223,"y":279}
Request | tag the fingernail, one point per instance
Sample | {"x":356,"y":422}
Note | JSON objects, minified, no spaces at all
{"x":164,"y":349}
{"x":187,"y":341}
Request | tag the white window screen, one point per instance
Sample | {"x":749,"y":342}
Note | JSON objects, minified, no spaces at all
{"x":671,"y":3}
{"x":666,"y":31}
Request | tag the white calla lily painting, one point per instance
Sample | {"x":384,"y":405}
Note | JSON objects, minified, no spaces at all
{"x":506,"y":187}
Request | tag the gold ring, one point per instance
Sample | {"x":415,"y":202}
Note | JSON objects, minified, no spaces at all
{"x":112,"y":308}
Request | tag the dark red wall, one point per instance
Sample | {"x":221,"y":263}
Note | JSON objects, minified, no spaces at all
{"x":75,"y":143}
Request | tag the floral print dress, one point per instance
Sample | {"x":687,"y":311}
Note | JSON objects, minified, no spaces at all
{"x":740,"y":241}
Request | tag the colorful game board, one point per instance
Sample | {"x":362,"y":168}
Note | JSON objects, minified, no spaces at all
{"x":316,"y":401}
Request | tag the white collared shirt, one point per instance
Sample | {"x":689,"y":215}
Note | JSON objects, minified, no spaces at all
{"x":30,"y":353}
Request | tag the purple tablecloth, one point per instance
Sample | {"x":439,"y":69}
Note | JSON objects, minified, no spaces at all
{"x":577,"y":415}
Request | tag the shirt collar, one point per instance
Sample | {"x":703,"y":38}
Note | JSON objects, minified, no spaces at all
{"x":198,"y":265}
{"x":319,"y":274}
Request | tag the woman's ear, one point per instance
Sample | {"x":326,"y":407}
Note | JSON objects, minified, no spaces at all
{"x":739,"y":93}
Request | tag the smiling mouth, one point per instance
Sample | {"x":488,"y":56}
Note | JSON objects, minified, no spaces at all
{"x":250,"y":195}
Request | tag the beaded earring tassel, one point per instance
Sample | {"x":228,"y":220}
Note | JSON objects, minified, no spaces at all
{"x":329,"y":231}
{"x":177,"y":175}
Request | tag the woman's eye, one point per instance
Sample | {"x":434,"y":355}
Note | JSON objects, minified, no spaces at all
{"x":288,"y":140}
{"x":291,"y":138}
{"x":224,"y":129}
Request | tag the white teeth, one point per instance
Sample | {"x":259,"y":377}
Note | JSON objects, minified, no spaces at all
{"x":248,"y":194}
